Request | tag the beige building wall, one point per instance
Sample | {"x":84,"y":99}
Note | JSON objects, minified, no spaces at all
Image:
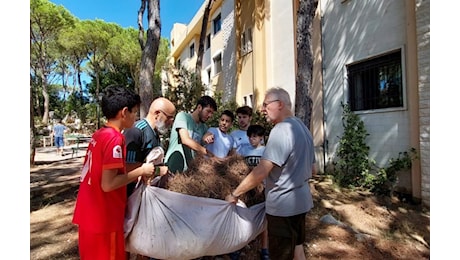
{"x":272,"y":59}
{"x":183,"y":36}
{"x":245,"y":22}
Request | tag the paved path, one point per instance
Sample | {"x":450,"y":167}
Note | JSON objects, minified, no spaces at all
{"x":45,"y":155}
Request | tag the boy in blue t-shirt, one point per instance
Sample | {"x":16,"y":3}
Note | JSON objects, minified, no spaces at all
{"x":253,"y":152}
{"x":58,"y":133}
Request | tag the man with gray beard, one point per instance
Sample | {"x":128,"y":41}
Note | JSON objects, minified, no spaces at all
{"x":145,"y":135}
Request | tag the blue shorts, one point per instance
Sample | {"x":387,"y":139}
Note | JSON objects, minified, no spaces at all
{"x":59,"y":141}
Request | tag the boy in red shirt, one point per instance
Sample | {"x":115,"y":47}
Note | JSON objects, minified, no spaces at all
{"x":101,"y":200}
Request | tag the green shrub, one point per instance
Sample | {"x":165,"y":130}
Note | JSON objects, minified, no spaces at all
{"x":386,"y":178}
{"x":353,"y":166}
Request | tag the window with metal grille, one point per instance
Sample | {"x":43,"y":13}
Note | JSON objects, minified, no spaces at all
{"x":376,"y":83}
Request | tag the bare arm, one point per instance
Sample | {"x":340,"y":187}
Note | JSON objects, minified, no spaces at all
{"x":189,"y":142}
{"x":111,"y":180}
{"x":254,"y":178}
{"x":208,"y":138}
{"x":132,"y":166}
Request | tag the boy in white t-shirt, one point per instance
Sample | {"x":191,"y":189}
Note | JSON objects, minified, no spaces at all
{"x":243,"y":118}
{"x":217,"y":139}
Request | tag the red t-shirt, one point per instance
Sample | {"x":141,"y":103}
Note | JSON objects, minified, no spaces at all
{"x":95,"y":210}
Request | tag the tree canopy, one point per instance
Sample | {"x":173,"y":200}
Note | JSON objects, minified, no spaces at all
{"x":65,"y":49}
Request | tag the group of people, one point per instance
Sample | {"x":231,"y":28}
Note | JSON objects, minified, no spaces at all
{"x":247,"y":140}
{"x":115,"y":163}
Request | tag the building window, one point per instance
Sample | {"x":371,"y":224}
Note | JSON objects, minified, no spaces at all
{"x":249,"y":40}
{"x":217,"y":23}
{"x":246,"y":41}
{"x":217,"y":60}
{"x":208,"y":73}
{"x":208,"y":41}
{"x":192,"y":50}
{"x":376,"y":83}
{"x":248,"y":100}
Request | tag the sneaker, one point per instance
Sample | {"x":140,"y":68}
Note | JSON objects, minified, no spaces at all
{"x":235,"y":255}
{"x":264,"y":254}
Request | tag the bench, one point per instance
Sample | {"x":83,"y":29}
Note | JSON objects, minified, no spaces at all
{"x":78,"y":140}
{"x":45,"y":141}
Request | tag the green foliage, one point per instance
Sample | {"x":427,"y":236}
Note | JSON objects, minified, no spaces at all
{"x":120,"y":75}
{"x":184,"y":90}
{"x":259,"y":119}
{"x":353,"y":166}
{"x":386,"y":178}
{"x":77,"y":103}
{"x":63,"y":47}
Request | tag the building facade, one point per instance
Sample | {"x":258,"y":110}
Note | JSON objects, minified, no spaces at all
{"x":218,"y":66}
{"x":376,"y":58}
{"x":372,"y":55}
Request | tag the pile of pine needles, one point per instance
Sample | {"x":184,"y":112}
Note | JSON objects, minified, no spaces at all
{"x":215,"y":178}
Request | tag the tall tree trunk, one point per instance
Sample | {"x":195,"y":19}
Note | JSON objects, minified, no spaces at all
{"x":37,"y":103}
{"x":97,"y":98}
{"x":44,"y":82}
{"x":46,"y":99}
{"x":303,"y":99}
{"x":32,"y":127}
{"x":149,"y":52}
{"x":64,"y":86}
{"x":76,"y":64}
{"x":204,"y":27}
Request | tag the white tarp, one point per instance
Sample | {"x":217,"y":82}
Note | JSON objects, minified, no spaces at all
{"x":168,"y":225}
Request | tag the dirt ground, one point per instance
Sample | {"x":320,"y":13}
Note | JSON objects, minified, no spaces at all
{"x":342,"y":225}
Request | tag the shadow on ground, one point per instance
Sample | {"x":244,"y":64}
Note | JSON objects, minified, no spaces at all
{"x":53,"y":183}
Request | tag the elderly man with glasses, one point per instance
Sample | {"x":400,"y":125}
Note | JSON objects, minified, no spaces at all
{"x":286,"y":165}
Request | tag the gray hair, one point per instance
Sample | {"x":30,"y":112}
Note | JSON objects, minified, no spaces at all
{"x":281,"y":94}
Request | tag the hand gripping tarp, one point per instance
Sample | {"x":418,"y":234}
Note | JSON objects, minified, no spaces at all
{"x":168,"y":225}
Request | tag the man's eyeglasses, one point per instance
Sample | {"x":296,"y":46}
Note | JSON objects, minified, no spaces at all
{"x":168,"y":117}
{"x":265,"y":104}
